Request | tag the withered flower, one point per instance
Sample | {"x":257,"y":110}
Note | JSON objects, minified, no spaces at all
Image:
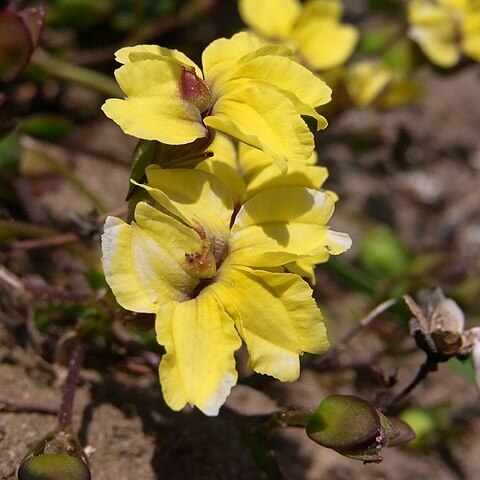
{"x":439,"y":327}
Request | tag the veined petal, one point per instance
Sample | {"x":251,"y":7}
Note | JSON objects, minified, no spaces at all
{"x":229,"y":50}
{"x":149,"y":78}
{"x":338,"y":242}
{"x":271,"y":18}
{"x":224,"y":165}
{"x":299,"y":174}
{"x":153,"y":109}
{"x":265,"y":119}
{"x":305,"y":267}
{"x":164,"y":119}
{"x":144,"y":52}
{"x":275,"y":315}
{"x":198,"y":198}
{"x":222,"y":72}
{"x":144,"y":262}
{"x":325,"y":44}
{"x":287,"y":75}
{"x":198,"y":367}
{"x":281,"y":225}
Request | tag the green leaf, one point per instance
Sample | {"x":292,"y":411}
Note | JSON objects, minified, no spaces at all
{"x":142,"y":157}
{"x":382,"y":254}
{"x":10,"y":154}
{"x":47,"y":127}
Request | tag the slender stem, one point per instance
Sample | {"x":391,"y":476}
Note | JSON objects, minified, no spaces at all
{"x":47,"y":242}
{"x":14,"y":228}
{"x":74,"y":73}
{"x":65,"y":413}
{"x":364,"y":322}
{"x":430,"y":365}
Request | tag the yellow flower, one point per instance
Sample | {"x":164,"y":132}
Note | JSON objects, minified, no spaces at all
{"x":251,"y":91}
{"x":247,"y":171}
{"x":212,"y":274}
{"x":313,"y":30}
{"x":365,"y":81}
{"x":445,"y":28}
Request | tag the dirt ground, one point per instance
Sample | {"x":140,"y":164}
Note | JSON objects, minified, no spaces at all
{"x":432,"y":199}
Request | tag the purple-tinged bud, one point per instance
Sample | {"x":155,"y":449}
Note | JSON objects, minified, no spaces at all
{"x":194,"y":90}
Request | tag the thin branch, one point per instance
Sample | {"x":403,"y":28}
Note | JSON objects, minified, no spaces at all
{"x":47,"y":242}
{"x":430,"y":365}
{"x":363,"y":323}
{"x":65,"y":413}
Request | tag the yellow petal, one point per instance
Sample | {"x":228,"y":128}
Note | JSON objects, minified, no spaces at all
{"x":433,"y":28}
{"x":154,"y":109}
{"x":281,"y":225}
{"x":275,"y":315}
{"x":471,"y":32}
{"x":299,"y":174}
{"x":145,"y":52}
{"x":144,"y":262}
{"x":198,"y":367}
{"x":229,"y":50}
{"x":325,"y":44}
{"x":224,"y":165}
{"x":305,"y":267}
{"x":198,"y":198}
{"x":304,"y":89}
{"x":265,"y":119}
{"x":271,"y":18}
{"x":321,"y":9}
{"x":156,"y":118}
{"x":365,"y":81}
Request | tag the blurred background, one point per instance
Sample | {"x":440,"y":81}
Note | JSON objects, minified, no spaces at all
{"x":403,"y":151}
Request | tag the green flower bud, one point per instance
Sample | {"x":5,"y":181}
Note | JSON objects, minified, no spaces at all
{"x":58,"y":456}
{"x":352,"y":427}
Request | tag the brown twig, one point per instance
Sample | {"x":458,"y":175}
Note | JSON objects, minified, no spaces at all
{"x":65,"y":413}
{"x":363,"y":323}
{"x":430,"y":365}
{"x":27,"y":407}
{"x":47,"y":242}
{"x":51,"y":292}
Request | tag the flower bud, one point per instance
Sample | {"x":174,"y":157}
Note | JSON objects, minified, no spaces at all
{"x":21,"y":33}
{"x":352,"y":427}
{"x":57,"y":456}
{"x":194,"y":90}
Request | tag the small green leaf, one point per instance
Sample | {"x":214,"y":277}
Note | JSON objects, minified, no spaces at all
{"x":376,"y":39}
{"x":10,"y":154}
{"x":46,"y":127}
{"x":382,"y":254}
{"x":142,"y":157}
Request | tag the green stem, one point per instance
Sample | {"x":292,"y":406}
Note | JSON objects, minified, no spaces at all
{"x":13,"y":228}
{"x":73,"y":73}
